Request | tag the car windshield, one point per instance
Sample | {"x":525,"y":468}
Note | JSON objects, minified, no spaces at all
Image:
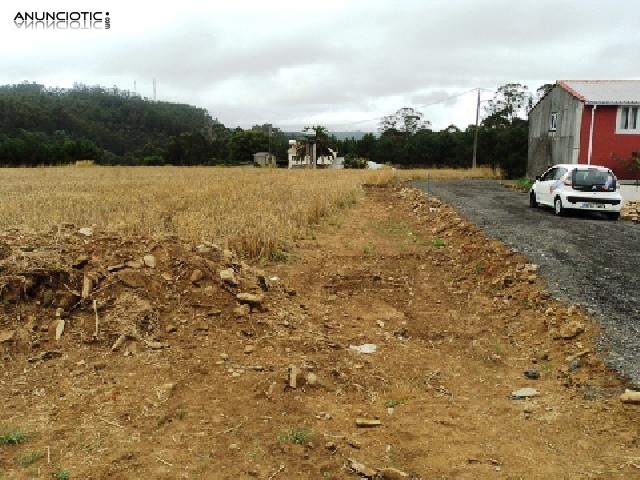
{"x":594,"y":177}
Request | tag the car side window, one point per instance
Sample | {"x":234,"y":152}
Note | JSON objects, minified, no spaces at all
{"x":548,"y":175}
{"x":559,"y":173}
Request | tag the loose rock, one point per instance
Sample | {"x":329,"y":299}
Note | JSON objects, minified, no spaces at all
{"x":149,"y":261}
{"x":367,"y":423}
{"x":523,"y":393}
{"x":242,"y":310}
{"x":251,"y":299}
{"x":196,"y":275}
{"x":228,"y":275}
{"x":392,"y":474}
{"x":296,"y":378}
{"x":532,"y":374}
{"x":59,"y":329}
{"x":631,"y":397}
{"x":361,"y":469}
{"x":87,"y":285}
{"x":571,"y":329}
{"x":7,"y":336}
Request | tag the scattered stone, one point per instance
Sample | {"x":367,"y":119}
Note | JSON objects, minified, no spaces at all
{"x":353,"y":443}
{"x":137,"y":264}
{"x":380,"y":323}
{"x":574,"y":364}
{"x":203,"y":249}
{"x":197,"y":275}
{"x":165,"y":390}
{"x":571,"y":329}
{"x":99,"y":365}
{"x":367,"y":423}
{"x":242,"y":310}
{"x":59,"y":329}
{"x":149,"y":261}
{"x":331,"y":446}
{"x":119,"y":342}
{"x":249,"y":349}
{"x":532,"y":374}
{"x":48,"y":355}
{"x":296,"y":379}
{"x":523,"y":393}
{"x":228,"y":275}
{"x":364,"y":348}
{"x":202,"y":326}
{"x":153,"y":345}
{"x":392,"y":474}
{"x":86,"y":231}
{"x":361,"y":469}
{"x":630,"y":397}
{"x":87,"y":286}
{"x":115,"y":268}
{"x":251,"y":299}
{"x":311,"y":379}
{"x":171,"y":328}
{"x":7,"y":336}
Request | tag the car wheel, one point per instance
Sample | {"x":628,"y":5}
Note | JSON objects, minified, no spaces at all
{"x":533,"y":203}
{"x":613,"y":215}
{"x":557,"y":206}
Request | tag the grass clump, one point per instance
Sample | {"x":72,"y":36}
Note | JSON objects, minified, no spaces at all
{"x":14,"y":437}
{"x":297,"y":436}
{"x":392,"y":403}
{"x":29,"y":459}
{"x":524,"y":184}
{"x":61,"y":475}
{"x":438,"y":243}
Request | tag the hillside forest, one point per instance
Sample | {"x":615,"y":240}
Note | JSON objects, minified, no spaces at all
{"x":42,"y":125}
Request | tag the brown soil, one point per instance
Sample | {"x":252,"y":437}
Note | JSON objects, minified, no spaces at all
{"x":182,"y":383}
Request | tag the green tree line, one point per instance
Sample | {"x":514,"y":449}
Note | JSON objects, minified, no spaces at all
{"x":41,"y":125}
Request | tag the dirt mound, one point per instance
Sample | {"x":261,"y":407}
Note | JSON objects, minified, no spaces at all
{"x":76,"y":286}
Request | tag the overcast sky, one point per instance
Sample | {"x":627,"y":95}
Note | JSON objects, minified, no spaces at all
{"x":340,"y":63}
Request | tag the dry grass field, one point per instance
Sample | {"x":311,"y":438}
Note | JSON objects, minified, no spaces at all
{"x":253,"y":211}
{"x":125,"y":356}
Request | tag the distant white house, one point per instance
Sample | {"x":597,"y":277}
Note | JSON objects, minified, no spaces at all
{"x":264,"y":159}
{"x":302,"y":161}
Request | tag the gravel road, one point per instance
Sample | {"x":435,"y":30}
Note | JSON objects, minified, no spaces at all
{"x":584,"y":258}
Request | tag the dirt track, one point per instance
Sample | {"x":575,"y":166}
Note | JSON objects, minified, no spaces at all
{"x":205,"y":389}
{"x":584,"y":258}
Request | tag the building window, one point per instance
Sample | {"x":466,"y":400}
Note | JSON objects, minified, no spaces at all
{"x":553,"y":122}
{"x":628,"y":121}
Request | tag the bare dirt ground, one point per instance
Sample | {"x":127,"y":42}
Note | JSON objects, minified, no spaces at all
{"x":180,"y":378}
{"x":583,"y":258}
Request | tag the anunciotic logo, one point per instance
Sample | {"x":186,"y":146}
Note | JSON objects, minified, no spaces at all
{"x":62,"y":20}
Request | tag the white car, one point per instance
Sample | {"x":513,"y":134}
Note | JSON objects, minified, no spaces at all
{"x":577,"y":187}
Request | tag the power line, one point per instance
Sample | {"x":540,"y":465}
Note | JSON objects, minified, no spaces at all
{"x":420,"y":105}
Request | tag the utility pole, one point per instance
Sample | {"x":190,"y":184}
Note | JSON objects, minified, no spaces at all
{"x":154,"y":89}
{"x":269,"y":143}
{"x":475,"y":137}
